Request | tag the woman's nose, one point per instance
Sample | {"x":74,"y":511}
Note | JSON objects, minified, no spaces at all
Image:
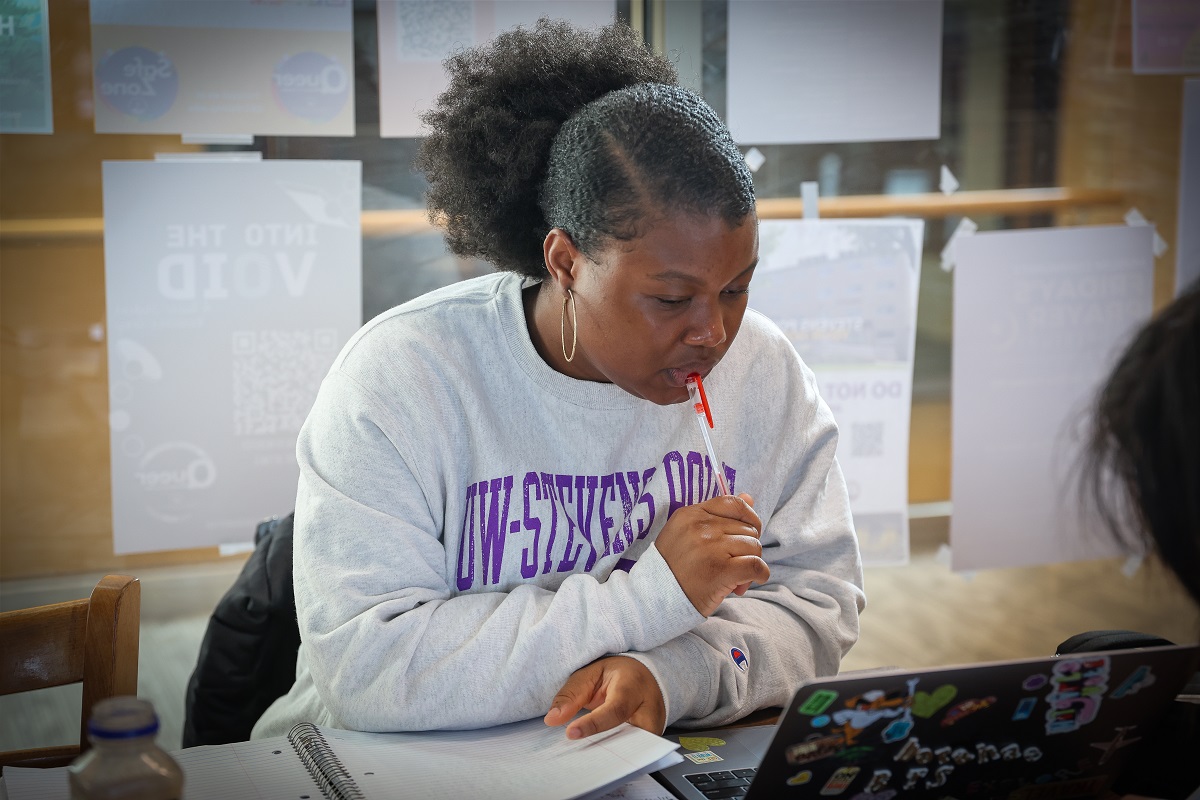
{"x":707,"y":330}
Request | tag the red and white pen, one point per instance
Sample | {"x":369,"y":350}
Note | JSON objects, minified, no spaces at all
{"x":695,"y":387}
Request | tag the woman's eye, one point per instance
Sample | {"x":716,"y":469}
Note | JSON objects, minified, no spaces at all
{"x":737,"y":292}
{"x":671,"y":301}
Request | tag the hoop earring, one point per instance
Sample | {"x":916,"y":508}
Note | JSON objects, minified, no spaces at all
{"x":562,"y":326}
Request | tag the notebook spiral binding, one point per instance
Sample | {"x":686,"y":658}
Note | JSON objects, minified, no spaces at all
{"x":324,"y":767}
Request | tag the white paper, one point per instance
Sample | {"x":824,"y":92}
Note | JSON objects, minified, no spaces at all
{"x":1187,"y":255}
{"x":522,"y":761}
{"x":833,"y":71}
{"x":526,"y":760}
{"x":641,"y":788}
{"x":416,"y":35}
{"x":230,"y":289}
{"x":280,"y":68}
{"x":1039,"y":318}
{"x":1166,"y":34}
{"x":26,"y":105}
{"x":845,"y":293}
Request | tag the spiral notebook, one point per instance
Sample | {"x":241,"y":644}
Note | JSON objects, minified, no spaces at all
{"x":524,"y":760}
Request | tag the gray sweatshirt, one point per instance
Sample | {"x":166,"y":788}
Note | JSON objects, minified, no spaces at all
{"x":473,"y":526}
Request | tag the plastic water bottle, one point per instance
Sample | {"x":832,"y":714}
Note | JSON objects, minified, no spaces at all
{"x":124,"y":762}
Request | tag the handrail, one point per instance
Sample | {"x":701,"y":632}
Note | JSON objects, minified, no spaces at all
{"x":399,"y":222}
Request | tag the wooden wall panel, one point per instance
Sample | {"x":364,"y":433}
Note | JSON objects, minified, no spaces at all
{"x":1119,"y":130}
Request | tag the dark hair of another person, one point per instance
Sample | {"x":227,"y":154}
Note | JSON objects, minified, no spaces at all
{"x":1146,"y":436}
{"x":552,"y":126}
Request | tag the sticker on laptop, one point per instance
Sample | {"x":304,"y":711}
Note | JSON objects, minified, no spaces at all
{"x":800,"y":778}
{"x":1025,"y":708}
{"x":1077,"y":687}
{"x":739,"y":658}
{"x":897,"y":730}
{"x":1122,"y":739}
{"x":867,"y":794}
{"x":1140,"y":679}
{"x":818,"y":701}
{"x":703,"y":757}
{"x":840,"y":781}
{"x":1034,"y":682}
{"x":697,"y":744}
{"x":926,"y":704}
{"x":816,"y":748}
{"x":966,"y":708}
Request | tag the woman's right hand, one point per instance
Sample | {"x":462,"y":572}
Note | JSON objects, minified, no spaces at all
{"x":713,"y":549}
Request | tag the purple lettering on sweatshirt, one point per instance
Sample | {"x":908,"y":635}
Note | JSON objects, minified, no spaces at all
{"x":626,"y":508}
{"x":529,"y":556}
{"x":548,"y":488}
{"x":585,"y":504}
{"x":494,"y":528}
{"x":646,"y":499}
{"x":466,"y":542}
{"x":563,"y":495}
{"x":612,"y":539}
{"x":610,"y":512}
{"x":676,"y":478}
{"x":696,"y":478}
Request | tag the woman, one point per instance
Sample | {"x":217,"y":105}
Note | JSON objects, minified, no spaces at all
{"x":1146,"y":435}
{"x":504,"y":510}
{"x":1143,"y":474}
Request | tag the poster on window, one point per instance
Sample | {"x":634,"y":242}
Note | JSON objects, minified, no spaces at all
{"x":845,"y":293}
{"x":230,"y":288}
{"x":1166,"y":37}
{"x":25,"y":99}
{"x":1039,"y":319}
{"x":833,"y":71}
{"x":223,"y":67}
{"x":415,"y":36}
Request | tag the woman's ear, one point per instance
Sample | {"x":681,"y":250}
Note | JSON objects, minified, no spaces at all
{"x":563,"y":258}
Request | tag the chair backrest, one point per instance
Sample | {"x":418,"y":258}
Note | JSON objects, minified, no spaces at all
{"x":92,"y":641}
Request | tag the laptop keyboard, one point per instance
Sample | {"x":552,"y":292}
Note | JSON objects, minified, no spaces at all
{"x":724,"y":785}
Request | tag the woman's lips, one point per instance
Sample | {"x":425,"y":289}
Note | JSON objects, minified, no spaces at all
{"x":677,"y":376}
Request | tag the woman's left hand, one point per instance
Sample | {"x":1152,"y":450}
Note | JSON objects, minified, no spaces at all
{"x":614,"y":689}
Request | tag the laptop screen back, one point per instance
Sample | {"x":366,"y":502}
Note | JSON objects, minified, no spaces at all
{"x":1035,"y":728}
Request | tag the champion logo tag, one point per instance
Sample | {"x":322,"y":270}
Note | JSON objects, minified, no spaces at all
{"x":739,"y":658}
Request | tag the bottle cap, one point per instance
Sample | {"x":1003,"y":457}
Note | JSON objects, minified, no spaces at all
{"x":123,"y":718}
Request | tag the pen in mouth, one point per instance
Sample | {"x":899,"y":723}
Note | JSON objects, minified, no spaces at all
{"x":695,"y":386}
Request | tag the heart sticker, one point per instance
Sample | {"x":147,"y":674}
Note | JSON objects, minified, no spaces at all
{"x":800,"y":778}
{"x":925,"y":705}
{"x":698,"y":743}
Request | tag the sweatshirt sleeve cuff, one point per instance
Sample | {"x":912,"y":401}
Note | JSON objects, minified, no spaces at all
{"x":687,"y":681}
{"x":655,"y":609}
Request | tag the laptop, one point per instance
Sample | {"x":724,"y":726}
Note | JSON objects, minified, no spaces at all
{"x":1054,"y":727}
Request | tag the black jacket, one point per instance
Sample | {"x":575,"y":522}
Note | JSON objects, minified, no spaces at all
{"x":248,"y":656}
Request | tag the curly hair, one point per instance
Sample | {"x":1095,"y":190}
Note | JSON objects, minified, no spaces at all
{"x":552,"y":126}
{"x":1143,"y":455}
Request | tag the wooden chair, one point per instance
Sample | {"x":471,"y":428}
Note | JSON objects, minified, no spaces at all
{"x":93,"y":641}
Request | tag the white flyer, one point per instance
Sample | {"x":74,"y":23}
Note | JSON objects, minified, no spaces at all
{"x":279,"y":68}
{"x":845,"y":293}
{"x":1039,"y":318}
{"x":834,"y":71}
{"x":230,"y":288}
{"x":415,"y":36}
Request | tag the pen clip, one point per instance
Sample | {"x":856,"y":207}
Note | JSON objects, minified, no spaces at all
{"x":695,"y":376}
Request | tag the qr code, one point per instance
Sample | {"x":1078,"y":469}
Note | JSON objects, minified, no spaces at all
{"x":428,"y":31}
{"x":866,"y":439}
{"x":275,"y":378}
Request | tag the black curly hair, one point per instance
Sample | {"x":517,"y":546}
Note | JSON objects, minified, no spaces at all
{"x":1142,"y":467}
{"x":552,"y":126}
